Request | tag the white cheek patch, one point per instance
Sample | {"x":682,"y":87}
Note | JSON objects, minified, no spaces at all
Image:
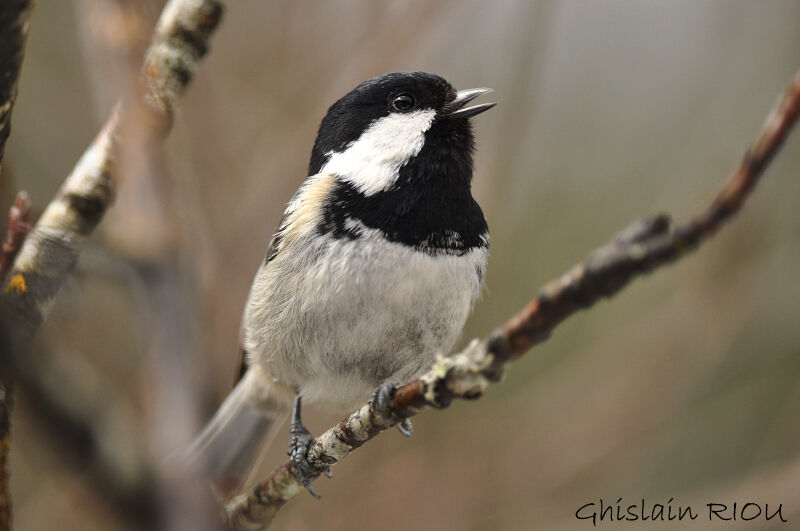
{"x":372,"y":163}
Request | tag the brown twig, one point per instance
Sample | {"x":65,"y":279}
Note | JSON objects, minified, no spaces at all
{"x":642,"y":247}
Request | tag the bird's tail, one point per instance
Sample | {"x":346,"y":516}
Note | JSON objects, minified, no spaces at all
{"x":235,"y":439}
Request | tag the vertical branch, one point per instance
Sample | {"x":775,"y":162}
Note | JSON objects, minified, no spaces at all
{"x":6,"y":406}
{"x":144,"y":229}
{"x":14,"y":17}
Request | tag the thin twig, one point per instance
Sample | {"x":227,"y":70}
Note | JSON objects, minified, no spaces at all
{"x":642,"y":247}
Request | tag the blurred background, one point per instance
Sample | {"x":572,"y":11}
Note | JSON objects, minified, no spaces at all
{"x":686,"y":386}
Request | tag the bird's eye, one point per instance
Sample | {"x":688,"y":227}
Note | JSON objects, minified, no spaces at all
{"x":403,"y":102}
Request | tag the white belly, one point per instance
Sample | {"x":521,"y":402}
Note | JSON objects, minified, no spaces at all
{"x":335,"y":318}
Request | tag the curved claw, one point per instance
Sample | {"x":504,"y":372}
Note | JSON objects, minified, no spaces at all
{"x":406,"y":428}
{"x":299,"y":443}
{"x":304,"y":474}
{"x":381,"y":398}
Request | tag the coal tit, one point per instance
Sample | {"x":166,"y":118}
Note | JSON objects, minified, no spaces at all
{"x":373,"y":270}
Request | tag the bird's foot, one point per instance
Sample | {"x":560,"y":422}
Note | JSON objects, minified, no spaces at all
{"x":381,"y":398}
{"x":299,"y":443}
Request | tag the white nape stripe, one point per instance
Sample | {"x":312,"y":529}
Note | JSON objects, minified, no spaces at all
{"x":372,"y":163}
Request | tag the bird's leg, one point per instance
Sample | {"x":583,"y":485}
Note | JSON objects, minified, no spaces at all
{"x":299,"y":443}
{"x":381,"y":399}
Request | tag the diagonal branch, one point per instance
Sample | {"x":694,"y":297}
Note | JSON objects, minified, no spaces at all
{"x":50,"y":252}
{"x":643,"y":246}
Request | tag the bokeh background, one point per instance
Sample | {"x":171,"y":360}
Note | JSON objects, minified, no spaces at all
{"x":685,"y":386}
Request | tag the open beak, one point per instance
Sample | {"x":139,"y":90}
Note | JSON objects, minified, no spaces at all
{"x":455,"y":109}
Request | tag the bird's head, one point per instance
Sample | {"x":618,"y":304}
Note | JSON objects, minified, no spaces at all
{"x":387,"y":122}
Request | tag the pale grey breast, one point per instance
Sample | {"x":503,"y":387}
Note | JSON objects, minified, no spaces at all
{"x":337,"y":317}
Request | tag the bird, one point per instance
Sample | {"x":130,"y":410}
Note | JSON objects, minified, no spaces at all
{"x":373,"y":271}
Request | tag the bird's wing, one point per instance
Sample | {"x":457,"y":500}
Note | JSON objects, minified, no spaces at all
{"x":272,"y":252}
{"x":301,"y":211}
{"x":277,"y":238}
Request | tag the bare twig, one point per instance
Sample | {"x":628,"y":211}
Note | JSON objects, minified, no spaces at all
{"x":50,"y":251}
{"x":642,"y":247}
